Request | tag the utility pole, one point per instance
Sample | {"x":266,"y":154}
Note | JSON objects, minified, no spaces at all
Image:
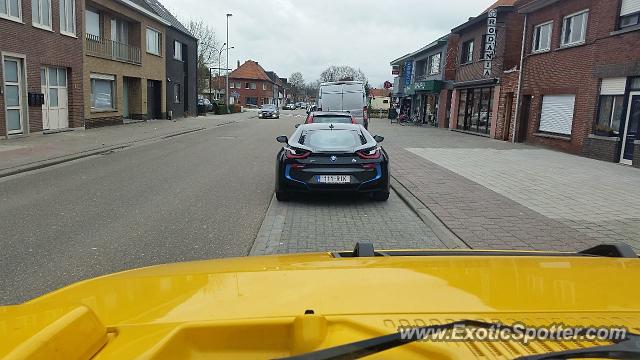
{"x":226,"y":90}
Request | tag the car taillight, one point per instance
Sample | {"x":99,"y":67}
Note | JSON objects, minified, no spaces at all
{"x":293,"y":153}
{"x":373,"y":153}
{"x":365,"y":116}
{"x":353,"y":120}
{"x":309,"y":119}
{"x":369,"y":166}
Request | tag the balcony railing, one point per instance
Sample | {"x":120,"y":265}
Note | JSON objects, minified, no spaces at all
{"x":113,"y":50}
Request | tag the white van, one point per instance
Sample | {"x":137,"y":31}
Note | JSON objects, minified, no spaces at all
{"x":345,"y":96}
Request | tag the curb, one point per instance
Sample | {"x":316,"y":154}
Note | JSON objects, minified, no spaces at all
{"x":448,"y":237}
{"x":83,"y":154}
{"x":270,"y":232}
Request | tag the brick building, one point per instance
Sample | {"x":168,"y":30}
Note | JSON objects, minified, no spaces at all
{"x":40,"y":59}
{"x":250,"y":85}
{"x":124,"y":62}
{"x":486,"y":71}
{"x":581,"y":79}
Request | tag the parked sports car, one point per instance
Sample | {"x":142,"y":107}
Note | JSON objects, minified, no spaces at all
{"x":325,"y":117}
{"x":332,"y":157}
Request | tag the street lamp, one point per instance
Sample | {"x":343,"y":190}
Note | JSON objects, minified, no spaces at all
{"x":226,"y":90}
{"x":219,"y":61}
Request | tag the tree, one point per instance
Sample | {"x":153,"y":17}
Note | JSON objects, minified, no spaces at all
{"x":208,"y":47}
{"x":344,"y":72}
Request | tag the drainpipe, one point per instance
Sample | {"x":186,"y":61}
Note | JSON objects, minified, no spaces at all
{"x":524,"y":37}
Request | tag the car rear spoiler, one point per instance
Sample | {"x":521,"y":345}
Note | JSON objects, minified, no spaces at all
{"x":614,"y":250}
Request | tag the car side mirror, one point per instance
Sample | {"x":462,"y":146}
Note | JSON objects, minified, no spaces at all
{"x":378,"y":138}
{"x":282,"y":139}
{"x":297,"y":125}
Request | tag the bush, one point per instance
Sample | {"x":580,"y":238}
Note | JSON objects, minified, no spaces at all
{"x":221,"y":109}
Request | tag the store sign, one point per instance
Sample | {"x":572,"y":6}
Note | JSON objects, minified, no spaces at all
{"x":408,"y":69}
{"x":395,"y":70}
{"x":490,"y":42}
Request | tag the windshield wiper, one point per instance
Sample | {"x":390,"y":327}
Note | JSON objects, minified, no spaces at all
{"x":629,"y":348}
{"x":358,"y":349}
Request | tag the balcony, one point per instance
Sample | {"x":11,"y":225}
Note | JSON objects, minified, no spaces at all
{"x":113,"y":50}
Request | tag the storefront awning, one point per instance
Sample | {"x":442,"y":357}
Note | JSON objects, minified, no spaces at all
{"x":432,"y":86}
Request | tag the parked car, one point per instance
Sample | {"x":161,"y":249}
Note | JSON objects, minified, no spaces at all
{"x":332,"y":157}
{"x":269,"y":111}
{"x":290,"y":106}
{"x":207,"y":104}
{"x":348,"y":96}
{"x":322,"y":117}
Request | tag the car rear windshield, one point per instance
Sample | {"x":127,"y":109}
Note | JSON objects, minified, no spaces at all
{"x":332,"y":139}
{"x":268,"y":107}
{"x":332,"y":119}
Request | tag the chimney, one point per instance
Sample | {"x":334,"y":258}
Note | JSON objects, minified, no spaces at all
{"x":238,"y":63}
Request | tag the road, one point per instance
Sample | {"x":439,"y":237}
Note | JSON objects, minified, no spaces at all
{"x":196,"y":196}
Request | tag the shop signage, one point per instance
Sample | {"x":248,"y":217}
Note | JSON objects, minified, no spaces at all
{"x":395,"y":70}
{"x":408,"y":69}
{"x":490,"y":42}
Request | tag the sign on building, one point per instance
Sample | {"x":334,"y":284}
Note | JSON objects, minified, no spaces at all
{"x":395,"y":70}
{"x":490,"y":42}
{"x":408,"y":70}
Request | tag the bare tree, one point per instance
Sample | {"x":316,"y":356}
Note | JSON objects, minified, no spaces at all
{"x":208,"y":47}
{"x":296,"y":83}
{"x":344,"y":72}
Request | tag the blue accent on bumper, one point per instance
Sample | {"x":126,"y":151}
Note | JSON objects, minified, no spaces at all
{"x":378,"y":176}
{"x":287,"y":175}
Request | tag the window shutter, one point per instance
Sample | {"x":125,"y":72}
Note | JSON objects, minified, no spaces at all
{"x":613,"y":86}
{"x":629,"y":7}
{"x":103,"y":77}
{"x":557,"y":113}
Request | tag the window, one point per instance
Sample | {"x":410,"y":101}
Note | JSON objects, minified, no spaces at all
{"x":230,"y":85}
{"x":102,"y":92}
{"x":154,"y":39}
{"x":252,"y":86}
{"x":177,"y":95}
{"x":609,"y":114}
{"x":385,"y":101}
{"x":433,"y":66}
{"x":557,"y":114}
{"x":264,"y":86}
{"x":177,"y":50}
{"x":238,"y":85}
{"x":542,"y":37}
{"x":629,"y":13}
{"x":246,"y":85}
{"x":41,"y":13}
{"x":11,"y":9}
{"x":467,"y":52}
{"x":68,"y":17}
{"x":574,"y":28}
{"x":92,"y":23}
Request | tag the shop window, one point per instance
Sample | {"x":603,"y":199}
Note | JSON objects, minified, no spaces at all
{"x":629,"y":13}
{"x":574,"y":28}
{"x":610,"y":112}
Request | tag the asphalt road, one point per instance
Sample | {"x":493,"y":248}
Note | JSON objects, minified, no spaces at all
{"x":196,"y":196}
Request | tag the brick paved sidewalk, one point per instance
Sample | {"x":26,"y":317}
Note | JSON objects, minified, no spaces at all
{"x":482,"y":218}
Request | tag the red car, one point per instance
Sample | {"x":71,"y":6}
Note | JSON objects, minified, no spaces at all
{"x":325,"y":117}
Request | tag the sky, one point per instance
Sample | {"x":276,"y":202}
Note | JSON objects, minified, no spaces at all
{"x":287,"y":36}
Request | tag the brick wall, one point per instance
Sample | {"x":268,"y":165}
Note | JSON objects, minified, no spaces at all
{"x":577,"y":70}
{"x":44,"y":48}
{"x":452,"y":57}
{"x":153,"y":67}
{"x":256,"y":93}
{"x":506,"y":105}
{"x":602,"y":148}
{"x":443,"y":108}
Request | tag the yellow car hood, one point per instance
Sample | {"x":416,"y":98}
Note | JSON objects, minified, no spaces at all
{"x":255,"y":307}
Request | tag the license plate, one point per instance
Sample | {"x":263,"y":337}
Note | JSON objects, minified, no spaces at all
{"x":334,"y":179}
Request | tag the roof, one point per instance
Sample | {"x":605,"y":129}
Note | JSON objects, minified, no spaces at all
{"x":274,"y":78}
{"x":399,"y":60}
{"x":500,"y":5}
{"x":250,"y":70}
{"x":143,"y":8}
{"x":159,"y":9}
{"x":525,"y":7}
{"x":379,"y":92}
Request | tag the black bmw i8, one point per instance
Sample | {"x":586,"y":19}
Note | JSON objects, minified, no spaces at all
{"x":332,"y":157}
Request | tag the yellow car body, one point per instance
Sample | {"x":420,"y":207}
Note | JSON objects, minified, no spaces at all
{"x":278,"y":306}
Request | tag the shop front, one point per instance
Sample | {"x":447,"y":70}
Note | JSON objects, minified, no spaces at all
{"x":475,"y":109}
{"x":426,"y":101}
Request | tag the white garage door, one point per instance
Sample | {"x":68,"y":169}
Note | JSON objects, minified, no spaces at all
{"x":557,"y":114}
{"x":55,"y":111}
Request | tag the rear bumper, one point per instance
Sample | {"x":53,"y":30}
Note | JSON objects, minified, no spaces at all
{"x":373,"y":183}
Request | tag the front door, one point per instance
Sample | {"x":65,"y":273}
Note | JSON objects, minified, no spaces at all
{"x":13,"y":95}
{"x":631,"y":129}
{"x":55,"y":110}
{"x":154,"y":93}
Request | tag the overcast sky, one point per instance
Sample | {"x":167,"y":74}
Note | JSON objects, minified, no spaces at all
{"x":286,"y":36}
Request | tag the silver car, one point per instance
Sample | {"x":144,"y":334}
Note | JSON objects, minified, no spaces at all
{"x":269,"y":111}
